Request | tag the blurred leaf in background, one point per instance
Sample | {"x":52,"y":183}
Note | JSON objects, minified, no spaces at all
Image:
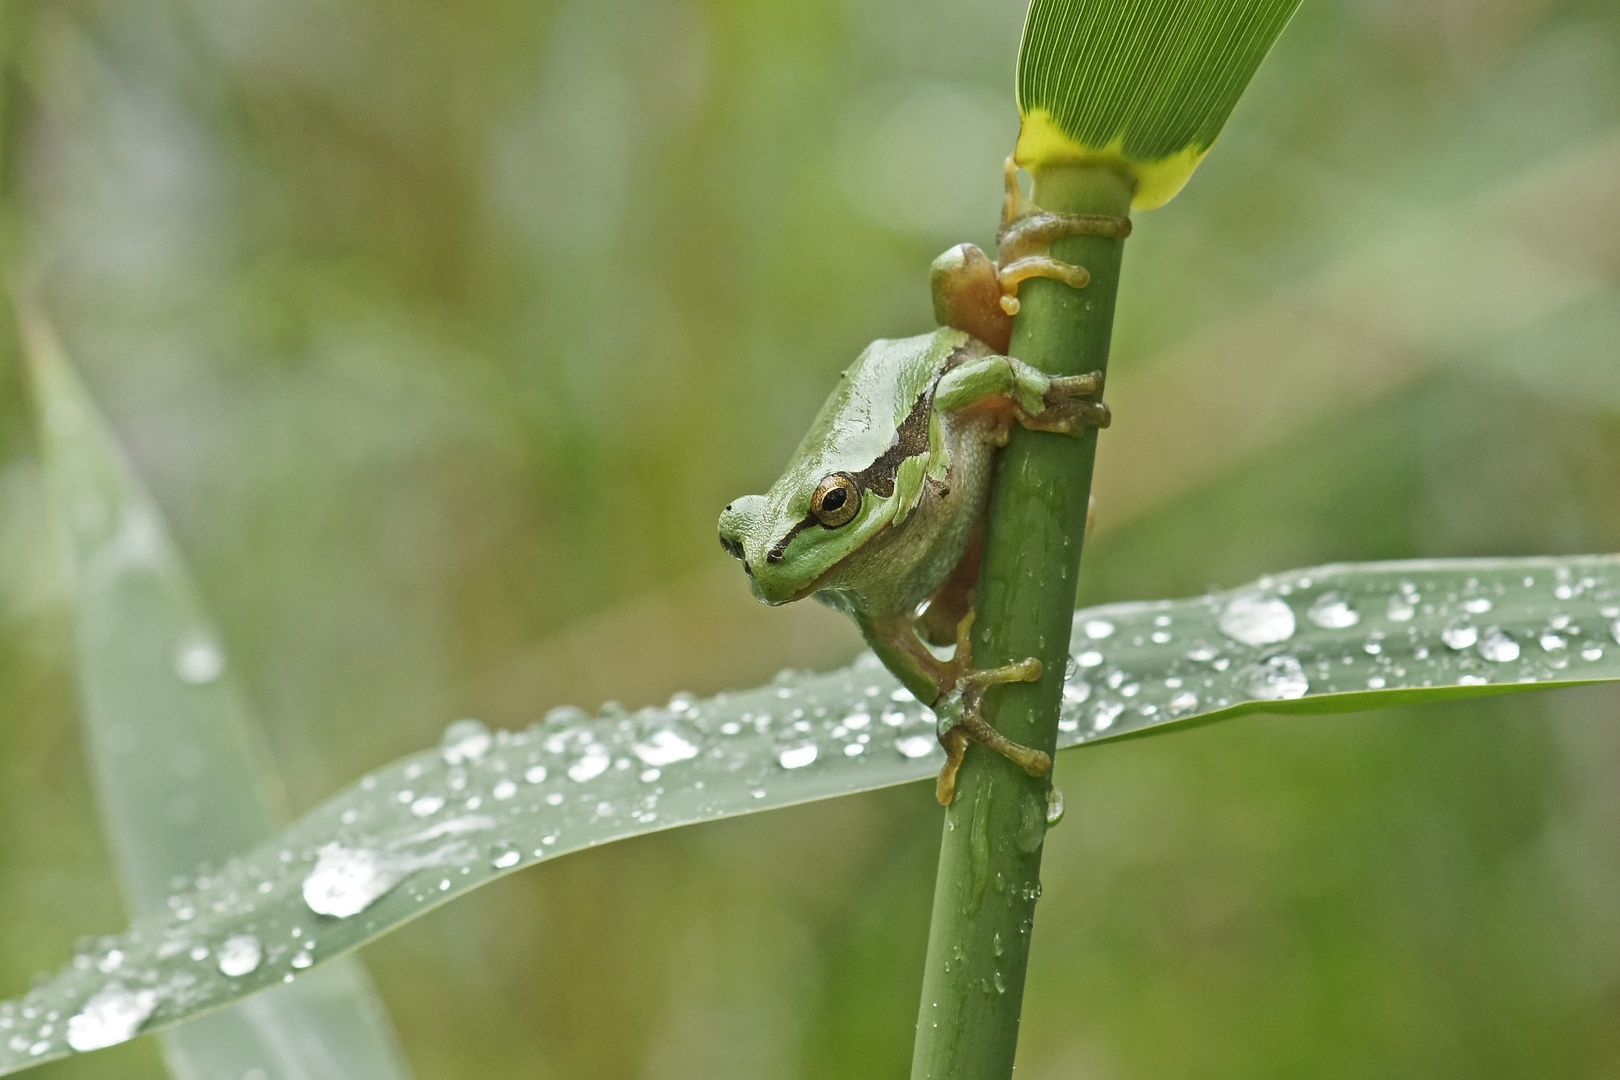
{"x":441,"y":335}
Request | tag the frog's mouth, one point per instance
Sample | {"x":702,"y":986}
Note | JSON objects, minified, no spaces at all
{"x":819,"y":583}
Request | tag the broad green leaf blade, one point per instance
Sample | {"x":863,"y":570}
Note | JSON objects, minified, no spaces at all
{"x":1145,"y":85}
{"x":432,"y":826}
{"x":180,"y":778}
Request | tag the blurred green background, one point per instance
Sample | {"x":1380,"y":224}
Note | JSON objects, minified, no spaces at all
{"x":442,"y":331}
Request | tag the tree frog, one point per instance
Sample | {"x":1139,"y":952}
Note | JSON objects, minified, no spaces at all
{"x":880,"y":513}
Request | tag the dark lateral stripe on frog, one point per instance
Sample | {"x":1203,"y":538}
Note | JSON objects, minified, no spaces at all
{"x":910,"y":439}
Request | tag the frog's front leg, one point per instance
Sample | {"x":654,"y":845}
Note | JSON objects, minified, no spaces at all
{"x":973,"y":293}
{"x":1065,"y":404}
{"x":1027,"y":232}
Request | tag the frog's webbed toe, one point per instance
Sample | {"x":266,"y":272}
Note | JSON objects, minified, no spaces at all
{"x":970,"y":726}
{"x":1026,"y":234}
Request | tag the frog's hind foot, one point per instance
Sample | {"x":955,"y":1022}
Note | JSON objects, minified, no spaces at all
{"x":973,"y":683}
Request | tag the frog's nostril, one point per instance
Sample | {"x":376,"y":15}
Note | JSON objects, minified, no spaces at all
{"x":747,"y":569}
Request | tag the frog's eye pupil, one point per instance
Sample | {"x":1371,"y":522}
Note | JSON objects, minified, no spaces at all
{"x":836,"y":500}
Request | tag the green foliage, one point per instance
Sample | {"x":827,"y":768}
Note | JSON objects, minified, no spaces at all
{"x":180,"y":778}
{"x":1144,"y":84}
{"x":420,"y":832}
{"x":376,"y":323}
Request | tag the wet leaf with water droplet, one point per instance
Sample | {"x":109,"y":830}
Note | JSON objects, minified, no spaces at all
{"x":364,"y":863}
{"x":181,"y":780}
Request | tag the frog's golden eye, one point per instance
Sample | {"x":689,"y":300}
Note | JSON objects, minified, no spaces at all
{"x":836,"y":500}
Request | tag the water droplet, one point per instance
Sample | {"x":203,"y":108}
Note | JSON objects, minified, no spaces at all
{"x":1203,"y":653}
{"x":1332,"y":611}
{"x":465,"y":740}
{"x":798,"y":755}
{"x":1592,"y":652}
{"x":1054,"y":807}
{"x":1401,"y":608}
{"x":536,"y":774}
{"x":427,"y":805}
{"x":240,"y":955}
{"x":1001,"y":985}
{"x":1477,"y":605}
{"x":1551,"y":642}
{"x":1076,"y":691}
{"x":111,"y":962}
{"x":112,"y":1015}
{"x":593,"y":764}
{"x":1097,"y":629}
{"x":346,"y":881}
{"x":1498,"y":646}
{"x":1091,"y":658}
{"x":916,"y":746}
{"x":1472,"y":680}
{"x":1278,"y":679}
{"x":503,"y":790}
{"x":853,"y":749}
{"x":1375,"y":682}
{"x":1257,"y":619}
{"x":1614,"y":630}
{"x":506,"y":855}
{"x":1184,"y":702}
{"x":664,"y":747}
{"x":302,"y":959}
{"x":198,"y":659}
{"x":1104,"y":713}
{"x":1459,"y":635}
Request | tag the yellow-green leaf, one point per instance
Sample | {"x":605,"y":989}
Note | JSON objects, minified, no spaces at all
{"x":1143,"y":85}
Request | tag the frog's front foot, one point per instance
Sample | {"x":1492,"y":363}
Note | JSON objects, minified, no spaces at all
{"x":1027,"y":232}
{"x":1072,"y":405}
{"x":961,"y":715}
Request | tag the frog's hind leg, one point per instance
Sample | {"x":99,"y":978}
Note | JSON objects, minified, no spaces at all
{"x":972,"y":684}
{"x":953,"y":600}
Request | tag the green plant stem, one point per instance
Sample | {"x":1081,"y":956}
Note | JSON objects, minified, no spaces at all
{"x":990,"y":859}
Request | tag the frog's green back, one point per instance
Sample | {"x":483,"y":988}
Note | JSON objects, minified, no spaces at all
{"x":858,"y":422}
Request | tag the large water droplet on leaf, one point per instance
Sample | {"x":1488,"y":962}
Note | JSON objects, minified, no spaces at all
{"x":112,"y":1015}
{"x":593,"y":764}
{"x":916,"y":746}
{"x":465,"y":740}
{"x":664,"y":747}
{"x":798,"y":756}
{"x":1498,"y":646}
{"x":1459,"y":635}
{"x":1257,"y":619}
{"x":1278,"y":679}
{"x":1333,"y":612}
{"x":240,"y":955}
{"x":346,"y":881}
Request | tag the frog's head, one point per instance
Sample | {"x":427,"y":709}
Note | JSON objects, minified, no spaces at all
{"x":792,"y":539}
